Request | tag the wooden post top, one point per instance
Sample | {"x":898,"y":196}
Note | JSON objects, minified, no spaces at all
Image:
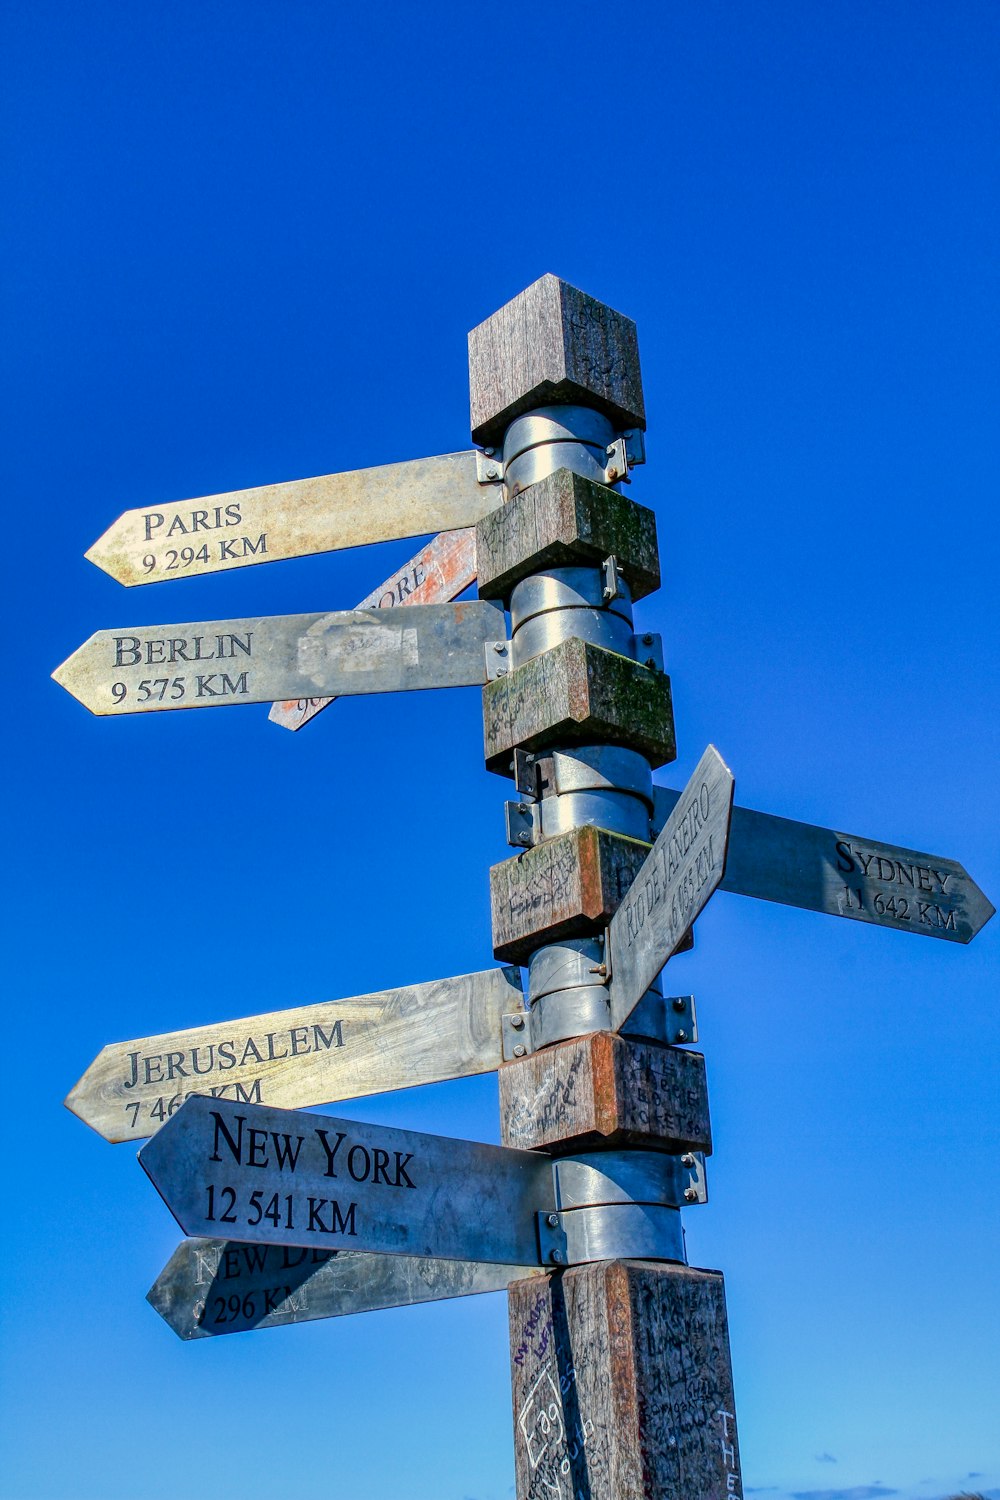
{"x":553,"y":345}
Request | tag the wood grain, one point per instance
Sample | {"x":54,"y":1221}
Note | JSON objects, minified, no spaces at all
{"x":566,"y":887}
{"x":622,"y":1382}
{"x":577,"y":694}
{"x":609,"y":1091}
{"x":553,"y":344}
{"x":565,"y":521}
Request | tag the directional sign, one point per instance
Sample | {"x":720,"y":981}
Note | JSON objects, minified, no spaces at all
{"x":220,"y":662}
{"x":440,"y":571}
{"x":272,"y":1176}
{"x":156,"y":543}
{"x":393,"y":1039}
{"x":680,"y":873}
{"x":212,"y":1287}
{"x":800,"y":864}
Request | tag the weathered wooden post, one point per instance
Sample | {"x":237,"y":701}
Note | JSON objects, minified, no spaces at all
{"x":620,"y":1364}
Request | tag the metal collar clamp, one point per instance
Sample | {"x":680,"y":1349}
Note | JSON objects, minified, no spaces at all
{"x":613,"y":1205}
{"x":562,"y":437}
{"x":602,"y":786}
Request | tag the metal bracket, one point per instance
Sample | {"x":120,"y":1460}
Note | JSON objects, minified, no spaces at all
{"x":489,"y":466}
{"x":612,"y":578}
{"x":623,"y":454}
{"x":648,"y":650}
{"x":497,"y":659}
{"x":516,"y":1034}
{"x":551,"y":1239}
{"x":635,"y":446}
{"x":526,"y":774}
{"x":669,"y":1019}
{"x":522,"y":824}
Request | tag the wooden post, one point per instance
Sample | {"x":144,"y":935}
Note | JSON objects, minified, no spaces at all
{"x":622,"y":1384}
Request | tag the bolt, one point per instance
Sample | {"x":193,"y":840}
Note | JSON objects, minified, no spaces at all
{"x":525,"y":839}
{"x":489,"y":452}
{"x":552,"y":1220}
{"x":679,"y":1002}
{"x":690,"y":1195}
{"x":517,"y":1021}
{"x":556,"y":1257}
{"x":682,"y":1036}
{"x":520,"y":1050}
{"x":502,"y":670}
{"x":500,"y":647}
{"x":647,"y":640}
{"x":687,"y":1160}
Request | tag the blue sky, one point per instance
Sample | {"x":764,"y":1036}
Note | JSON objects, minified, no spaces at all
{"x":248,"y":243}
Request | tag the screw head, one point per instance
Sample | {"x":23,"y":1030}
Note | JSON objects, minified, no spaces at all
{"x":687,"y":1160}
{"x":520,"y":1050}
{"x":500,"y":647}
{"x":556,"y":1256}
{"x":682,"y":1035}
{"x":647,"y":640}
{"x":489,"y":452}
{"x":690,"y":1195}
{"x":552,"y":1220}
{"x":517,"y":1021}
{"x":679,"y":1003}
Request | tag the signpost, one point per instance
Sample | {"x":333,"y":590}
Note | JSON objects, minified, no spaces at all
{"x":215,"y":663}
{"x":276,"y":521}
{"x":800,"y":864}
{"x":440,"y":571}
{"x":213,"y":1287}
{"x":681,"y":872}
{"x":394,"y":1039}
{"x":275,"y":1177}
{"x":620,"y":1365}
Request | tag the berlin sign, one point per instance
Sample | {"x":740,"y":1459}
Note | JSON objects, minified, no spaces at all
{"x":419,"y":1033}
{"x":276,"y":521}
{"x":216,"y":663}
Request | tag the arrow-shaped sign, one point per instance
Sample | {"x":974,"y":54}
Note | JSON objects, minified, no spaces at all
{"x":801,"y":864}
{"x":313,"y":1054}
{"x":440,"y":571}
{"x":216,"y":663}
{"x":682,"y":870}
{"x":153,"y":545}
{"x":212,"y":1287}
{"x":272,"y":1176}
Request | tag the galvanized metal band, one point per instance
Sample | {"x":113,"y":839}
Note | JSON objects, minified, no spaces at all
{"x":567,"y":588}
{"x":571,"y":964}
{"x":556,"y":437}
{"x":586,"y":768}
{"x":617,"y":1231}
{"x":601,"y":1177}
{"x":619,"y":812}
{"x":565,"y":1014}
{"x":543,"y":632}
